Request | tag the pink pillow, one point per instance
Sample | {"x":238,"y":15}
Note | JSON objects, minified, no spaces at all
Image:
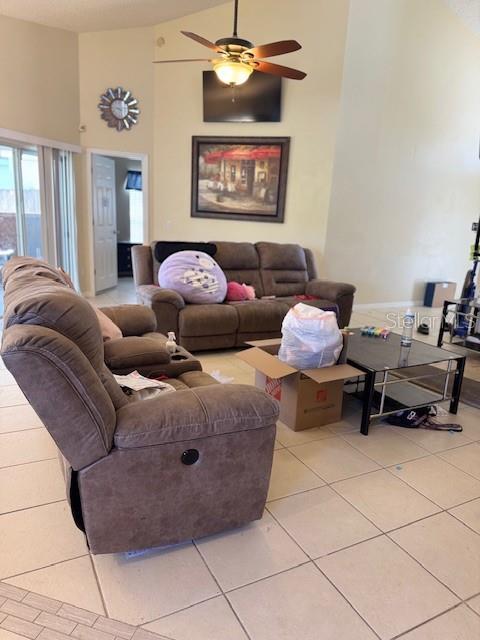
{"x":109,"y":329}
{"x":250,"y":291}
{"x":237,"y":292}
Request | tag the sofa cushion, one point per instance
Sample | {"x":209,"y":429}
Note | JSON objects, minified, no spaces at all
{"x":284,"y":257}
{"x":208,"y":320}
{"x":260,"y":316}
{"x":240,"y":263}
{"x":283,"y":268}
{"x":206,"y":411}
{"x":135,"y":351}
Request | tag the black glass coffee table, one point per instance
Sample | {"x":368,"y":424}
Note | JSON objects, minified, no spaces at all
{"x":393,"y":378}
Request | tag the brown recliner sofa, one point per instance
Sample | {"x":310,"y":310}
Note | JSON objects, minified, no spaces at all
{"x":139,"y":473}
{"x":279,"y":271}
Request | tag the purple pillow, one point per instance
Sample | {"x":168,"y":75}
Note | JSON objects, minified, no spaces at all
{"x":195,"y":276}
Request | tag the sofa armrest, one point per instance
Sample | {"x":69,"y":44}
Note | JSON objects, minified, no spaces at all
{"x":152,"y":294}
{"x":339,"y":292}
{"x":132,"y":319}
{"x":329,"y":290}
{"x":194,"y":413}
{"x":165,"y":303}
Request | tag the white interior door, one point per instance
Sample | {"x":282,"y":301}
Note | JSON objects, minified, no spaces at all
{"x":104,"y":222}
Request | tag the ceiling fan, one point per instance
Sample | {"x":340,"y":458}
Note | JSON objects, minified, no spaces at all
{"x":239,"y":58}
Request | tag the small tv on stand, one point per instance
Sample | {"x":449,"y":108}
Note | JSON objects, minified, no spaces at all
{"x":258,"y":100}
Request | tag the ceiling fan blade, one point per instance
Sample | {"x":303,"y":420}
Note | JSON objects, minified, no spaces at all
{"x":274,"y":48}
{"x":279,"y":70}
{"x":204,"y":41}
{"x":185,"y":60}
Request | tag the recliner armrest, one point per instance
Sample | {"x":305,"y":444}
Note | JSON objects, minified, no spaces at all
{"x":150,"y":293}
{"x":134,"y":352}
{"x":165,"y":303}
{"x":132,"y":319}
{"x":194,"y":413}
{"x":329,"y":290}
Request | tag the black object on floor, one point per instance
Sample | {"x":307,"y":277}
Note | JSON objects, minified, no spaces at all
{"x":421,"y":418}
{"x":423,"y":328}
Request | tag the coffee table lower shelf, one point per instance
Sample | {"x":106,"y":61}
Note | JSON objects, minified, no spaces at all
{"x":392,"y":388}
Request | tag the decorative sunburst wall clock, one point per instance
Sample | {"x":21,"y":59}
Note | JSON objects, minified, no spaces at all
{"x":119,"y":109}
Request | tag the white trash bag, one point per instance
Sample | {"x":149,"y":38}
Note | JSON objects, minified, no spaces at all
{"x":310,"y":338}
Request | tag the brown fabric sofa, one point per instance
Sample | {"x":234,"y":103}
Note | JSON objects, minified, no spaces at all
{"x":280,"y":270}
{"x":139,"y":473}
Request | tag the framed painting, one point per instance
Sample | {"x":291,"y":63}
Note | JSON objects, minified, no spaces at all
{"x":239,"y":178}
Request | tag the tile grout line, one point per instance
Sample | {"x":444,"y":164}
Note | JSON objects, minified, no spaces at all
{"x":418,"y":626}
{"x":33,"y":506}
{"x":6,"y":433}
{"x":342,"y":595}
{"x":47,"y":566}
{"x":99,"y":587}
{"x":21,"y":464}
{"x":456,"y":466}
{"x":237,"y":617}
{"x":424,"y":568}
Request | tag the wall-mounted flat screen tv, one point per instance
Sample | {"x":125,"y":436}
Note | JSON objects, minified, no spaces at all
{"x":258,"y":100}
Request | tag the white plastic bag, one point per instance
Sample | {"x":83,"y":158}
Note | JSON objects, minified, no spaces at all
{"x":310,"y":338}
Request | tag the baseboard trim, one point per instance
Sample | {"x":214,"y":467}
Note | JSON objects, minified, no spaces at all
{"x":377,"y":305}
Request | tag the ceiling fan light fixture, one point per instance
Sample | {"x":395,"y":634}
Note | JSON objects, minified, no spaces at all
{"x":232,"y":72}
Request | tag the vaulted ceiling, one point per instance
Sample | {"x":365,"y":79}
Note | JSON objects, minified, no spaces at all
{"x":99,"y":15}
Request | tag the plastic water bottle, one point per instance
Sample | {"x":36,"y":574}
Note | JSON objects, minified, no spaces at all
{"x":171,"y":343}
{"x":408,"y":322}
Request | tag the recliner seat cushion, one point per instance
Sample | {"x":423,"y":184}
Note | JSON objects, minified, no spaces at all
{"x":208,"y":320}
{"x":260,"y":316}
{"x":206,"y":411}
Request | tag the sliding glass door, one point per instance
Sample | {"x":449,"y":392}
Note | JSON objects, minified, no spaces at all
{"x":37,"y":206}
{"x":20,"y":208}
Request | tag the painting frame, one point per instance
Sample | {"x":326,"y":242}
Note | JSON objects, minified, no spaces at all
{"x":217,"y":199}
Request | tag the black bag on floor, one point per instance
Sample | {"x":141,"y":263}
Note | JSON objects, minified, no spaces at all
{"x":421,"y":418}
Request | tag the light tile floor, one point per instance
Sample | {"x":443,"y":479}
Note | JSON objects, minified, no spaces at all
{"x":362,"y":538}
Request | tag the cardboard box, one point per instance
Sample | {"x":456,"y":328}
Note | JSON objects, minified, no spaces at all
{"x":437,"y":292}
{"x":308,"y":398}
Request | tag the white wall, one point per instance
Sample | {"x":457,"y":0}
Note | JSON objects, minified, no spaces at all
{"x":310,"y":109}
{"x":111,"y":59}
{"x":384,"y":172}
{"x":406,"y":183}
{"x":39,"y":80}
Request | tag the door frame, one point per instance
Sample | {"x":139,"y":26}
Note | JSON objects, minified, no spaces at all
{"x":143,"y":158}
